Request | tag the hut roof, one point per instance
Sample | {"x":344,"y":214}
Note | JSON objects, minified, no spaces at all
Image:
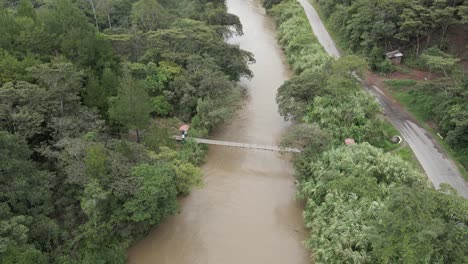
{"x":394,"y":54}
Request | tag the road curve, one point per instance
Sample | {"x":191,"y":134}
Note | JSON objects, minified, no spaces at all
{"x":438,"y":167}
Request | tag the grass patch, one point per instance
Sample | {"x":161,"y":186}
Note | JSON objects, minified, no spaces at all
{"x":420,"y":113}
{"x":398,"y":84}
{"x":402,"y":69}
{"x":407,"y":99}
{"x":407,"y":154}
{"x":389,"y":131}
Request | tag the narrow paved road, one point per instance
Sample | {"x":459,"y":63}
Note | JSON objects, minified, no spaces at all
{"x":438,"y":167}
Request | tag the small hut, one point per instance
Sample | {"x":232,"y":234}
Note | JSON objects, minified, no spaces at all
{"x":349,"y":141}
{"x":394,"y":56}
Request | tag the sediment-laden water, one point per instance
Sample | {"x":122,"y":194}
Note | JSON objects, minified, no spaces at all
{"x":246,"y":212}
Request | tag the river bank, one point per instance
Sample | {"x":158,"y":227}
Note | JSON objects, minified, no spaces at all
{"x":246,"y":212}
{"x":359,"y":200}
{"x":432,"y":156}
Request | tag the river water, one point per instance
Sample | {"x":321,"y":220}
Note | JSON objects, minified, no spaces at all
{"x":246,"y":211}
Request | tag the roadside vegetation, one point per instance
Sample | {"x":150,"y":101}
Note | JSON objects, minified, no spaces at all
{"x":90,"y":94}
{"x":363,"y":203}
{"x":419,"y":29}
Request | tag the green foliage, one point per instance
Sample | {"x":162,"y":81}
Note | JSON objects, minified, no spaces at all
{"x":270,"y":3}
{"x":410,"y":240}
{"x":95,"y":96}
{"x":343,"y":188}
{"x":156,"y":137}
{"x":385,"y":67}
{"x":12,"y":68}
{"x":398,"y":84}
{"x":74,"y":187}
{"x":131,"y":107}
{"x":109,"y":82}
{"x":367,"y":26}
{"x":382,"y":209}
{"x":295,"y":94}
{"x":310,"y":137}
{"x":26,"y":188}
{"x":157,"y":196}
{"x":436,"y":59}
{"x":91,"y":204}
{"x":362,"y":205}
{"x":188,"y":38}
{"x":187,"y":175}
{"x":295,"y":36}
{"x":95,"y":160}
{"x":375,"y":57}
{"x":149,"y":14}
{"x":161,"y":107}
{"x":158,"y":77}
{"x":213,"y":112}
{"x":62,"y":82}
{"x":354,"y":117}
{"x":442,"y":102}
{"x":23,"y":255}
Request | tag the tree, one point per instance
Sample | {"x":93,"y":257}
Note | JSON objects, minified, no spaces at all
{"x":24,"y":108}
{"x":307,"y":136}
{"x":386,"y":67}
{"x":406,"y":230}
{"x":108,"y":7}
{"x":96,"y":162}
{"x":109,"y":82}
{"x":463,"y":12}
{"x":443,"y":15}
{"x":161,"y":106}
{"x":91,"y":203}
{"x":149,"y":14}
{"x":62,"y":81}
{"x":344,"y":191}
{"x":270,"y":3}
{"x":212,"y":112}
{"x":439,"y":60}
{"x":9,"y":29}
{"x":187,"y":176}
{"x":354,"y":117}
{"x":70,"y":190}
{"x":349,"y":65}
{"x":23,"y":255}
{"x":26,"y":9}
{"x":131,"y":107}
{"x":295,"y":94}
{"x":93,"y":7}
{"x":158,"y":77}
{"x":415,"y":22}
{"x":13,"y":69}
{"x":157,"y":197}
{"x":95,"y":95}
{"x":26,"y":189}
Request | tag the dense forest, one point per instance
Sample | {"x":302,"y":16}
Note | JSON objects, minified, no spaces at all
{"x":90,"y":94}
{"x":390,"y":24}
{"x":419,"y":29}
{"x":363,"y":202}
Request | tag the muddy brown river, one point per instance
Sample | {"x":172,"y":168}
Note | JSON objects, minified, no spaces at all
{"x":246,"y":211}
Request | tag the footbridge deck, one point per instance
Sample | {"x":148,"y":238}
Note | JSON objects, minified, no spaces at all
{"x":240,"y":145}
